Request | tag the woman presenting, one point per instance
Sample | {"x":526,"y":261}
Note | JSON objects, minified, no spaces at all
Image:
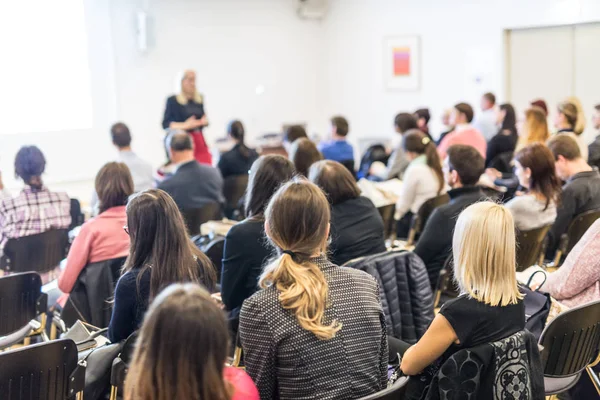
{"x":186,"y":111}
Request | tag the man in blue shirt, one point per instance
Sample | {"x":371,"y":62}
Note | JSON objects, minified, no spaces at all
{"x":338,"y":149}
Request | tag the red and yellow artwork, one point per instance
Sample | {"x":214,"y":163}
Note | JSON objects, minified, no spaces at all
{"x":401,"y":61}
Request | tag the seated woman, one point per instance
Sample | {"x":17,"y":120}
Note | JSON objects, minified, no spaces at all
{"x":534,"y":167}
{"x":239,"y":159}
{"x":160,"y":254}
{"x":303,"y":154}
{"x":246,"y":247}
{"x":356,"y":225}
{"x":566,"y":121}
{"x":35,"y":209}
{"x":315,"y":331}
{"x":490,"y":307}
{"x":101,"y":238}
{"x":184,"y":341}
{"x":534,"y":129}
{"x":506,"y":138}
{"x":423,"y":179}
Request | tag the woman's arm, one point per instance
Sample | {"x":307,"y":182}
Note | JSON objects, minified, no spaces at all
{"x":76,"y":260}
{"x":432,"y":346}
{"x":408,"y":192}
{"x":123,"y":314}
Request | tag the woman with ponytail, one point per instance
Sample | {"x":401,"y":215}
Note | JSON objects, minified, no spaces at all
{"x":422,"y":181}
{"x":239,"y":159}
{"x":316,"y":330}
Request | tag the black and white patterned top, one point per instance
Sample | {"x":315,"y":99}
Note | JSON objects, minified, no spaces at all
{"x":287,"y":362}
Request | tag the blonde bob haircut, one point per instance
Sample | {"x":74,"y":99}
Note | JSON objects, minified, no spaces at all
{"x":484,"y":250}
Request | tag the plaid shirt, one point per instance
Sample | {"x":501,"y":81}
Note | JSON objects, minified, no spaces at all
{"x":33,"y":212}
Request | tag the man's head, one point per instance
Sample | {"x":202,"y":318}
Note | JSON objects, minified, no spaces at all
{"x":567,"y":156}
{"x":339,"y":127}
{"x":405,"y":122}
{"x":596,"y":117}
{"x":120,"y":136}
{"x":463,"y":166}
{"x":461,"y":114}
{"x":488,"y":100}
{"x":181,"y":147}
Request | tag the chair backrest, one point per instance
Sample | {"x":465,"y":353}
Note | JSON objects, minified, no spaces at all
{"x":77,"y":217}
{"x":394,"y":392}
{"x":419,"y":220}
{"x":45,"y":371}
{"x":375,"y":152}
{"x":21,"y":300}
{"x":578,"y":227}
{"x":197,"y":216}
{"x":214,"y":251}
{"x":529,"y":246}
{"x":49,"y":248}
{"x":571,"y":341}
{"x":349,"y":164}
{"x":387,"y":214}
{"x":234,"y":188}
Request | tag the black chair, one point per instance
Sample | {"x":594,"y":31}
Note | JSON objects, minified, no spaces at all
{"x":376,"y":152}
{"x":214,"y":251}
{"x":577,"y":229}
{"x":120,"y":366}
{"x":570,"y":344}
{"x":503,"y":162}
{"x":21,"y":302}
{"x":46,"y":371}
{"x":394,"y":392}
{"x":349,"y":164}
{"x":419,"y":220}
{"x":77,"y":217}
{"x":446,"y":287}
{"x":50,"y":248}
{"x":234,"y":188}
{"x":387,"y":214}
{"x":530,"y":246}
{"x":197,"y":216}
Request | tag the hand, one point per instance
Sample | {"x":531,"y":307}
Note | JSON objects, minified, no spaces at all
{"x":534,"y":286}
{"x":493,"y":173}
{"x":190,"y":123}
{"x":203,"y":121}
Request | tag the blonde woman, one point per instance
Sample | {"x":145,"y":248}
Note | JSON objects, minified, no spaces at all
{"x":490,"y":307}
{"x":535,"y":128}
{"x":567,"y":122}
{"x":315,"y":331}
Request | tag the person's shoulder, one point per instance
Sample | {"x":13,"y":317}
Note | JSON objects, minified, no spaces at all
{"x":172,"y":99}
{"x":244,"y":387}
{"x":261,"y":301}
{"x":358,"y":276}
{"x":245,"y":227}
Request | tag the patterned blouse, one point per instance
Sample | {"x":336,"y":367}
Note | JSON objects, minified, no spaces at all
{"x":287,"y":362}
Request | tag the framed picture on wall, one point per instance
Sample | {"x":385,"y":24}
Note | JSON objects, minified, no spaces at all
{"x":402,"y":62}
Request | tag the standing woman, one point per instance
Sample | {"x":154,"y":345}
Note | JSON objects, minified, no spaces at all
{"x":185,"y":111}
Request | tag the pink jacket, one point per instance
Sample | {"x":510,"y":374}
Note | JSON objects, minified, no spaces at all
{"x":101,"y":238}
{"x":467,"y":136}
{"x":244,"y":388}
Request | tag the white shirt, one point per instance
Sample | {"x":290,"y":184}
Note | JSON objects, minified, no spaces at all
{"x":486,"y":123}
{"x":420,"y":184}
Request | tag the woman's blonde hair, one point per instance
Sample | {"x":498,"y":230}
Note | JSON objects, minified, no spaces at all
{"x":297,"y":221}
{"x":182,"y":97}
{"x":484,"y":251}
{"x":580,"y":124}
{"x":535,"y":129}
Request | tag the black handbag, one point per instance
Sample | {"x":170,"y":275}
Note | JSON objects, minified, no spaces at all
{"x":537,"y":309}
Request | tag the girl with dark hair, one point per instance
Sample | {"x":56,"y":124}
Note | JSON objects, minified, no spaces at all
{"x":160,"y":254}
{"x":534,"y":167}
{"x":422,"y":181}
{"x":505,"y":140}
{"x":245,"y":245}
{"x":239,"y":159}
{"x":313,"y":319}
{"x":182,"y":349}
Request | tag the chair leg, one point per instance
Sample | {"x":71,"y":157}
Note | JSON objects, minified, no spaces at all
{"x":53,"y":333}
{"x":113,"y":392}
{"x":79,"y":396}
{"x":593,"y":376}
{"x":557,"y":258}
{"x":237,"y":357}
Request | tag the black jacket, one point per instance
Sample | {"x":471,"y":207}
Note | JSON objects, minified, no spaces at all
{"x":435,"y":243}
{"x":499,"y":144}
{"x":356,"y":230}
{"x":234,"y":162}
{"x":194,"y":185}
{"x":175,"y":112}
{"x":581,"y":193}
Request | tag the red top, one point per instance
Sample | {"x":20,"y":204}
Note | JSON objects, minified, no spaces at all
{"x":242,"y":383}
{"x":468,"y":136}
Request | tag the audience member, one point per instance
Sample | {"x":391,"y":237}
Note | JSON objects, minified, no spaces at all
{"x":581,"y":192}
{"x":246,"y":248}
{"x":356,"y":225}
{"x":580,"y":125}
{"x":160,"y":254}
{"x":182,"y":349}
{"x":423,"y":179}
{"x":291,"y":134}
{"x":141,"y":171}
{"x":315,"y":330}
{"x":464,"y":132}
{"x":423,"y":116}
{"x":490,"y":307}
{"x":397,"y":163}
{"x":303,"y":154}
{"x":486,"y":121}
{"x":505,"y":140}
{"x":535,"y":128}
{"x":535,"y":169}
{"x":193,"y":185}
{"x":594,"y":147}
{"x":35,"y":209}
{"x":447,"y":125}
{"x":338,"y":149}
{"x":541,"y":104}
{"x":462,"y":168}
{"x":566,"y":121}
{"x":101,"y":238}
{"x":239,"y":159}
{"x":577,"y":281}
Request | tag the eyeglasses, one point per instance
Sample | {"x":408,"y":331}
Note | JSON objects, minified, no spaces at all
{"x":126,"y":229}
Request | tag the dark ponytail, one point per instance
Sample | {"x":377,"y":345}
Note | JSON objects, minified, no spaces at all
{"x":236,"y":131}
{"x":417,"y":142}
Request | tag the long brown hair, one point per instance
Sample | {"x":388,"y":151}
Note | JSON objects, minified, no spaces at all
{"x":114,"y":185}
{"x":181,"y":350}
{"x":540,"y":160}
{"x":159,"y":241}
{"x":419,"y":143}
{"x":303,"y":154}
{"x":266,"y":175}
{"x":297,"y":221}
{"x":535,"y":129}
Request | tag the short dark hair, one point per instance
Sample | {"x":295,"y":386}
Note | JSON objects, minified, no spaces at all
{"x":181,"y":141}
{"x":489,"y":96}
{"x":465,"y":109}
{"x":336,"y":181}
{"x":423,"y":113}
{"x":597,"y":107}
{"x":467,"y":162}
{"x":114,"y":185}
{"x":405,"y":122}
{"x":303,"y":154}
{"x":341,"y":125}
{"x":294,"y":132}
{"x":120,"y":135}
{"x":267,"y":174}
{"x":564,"y":145}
